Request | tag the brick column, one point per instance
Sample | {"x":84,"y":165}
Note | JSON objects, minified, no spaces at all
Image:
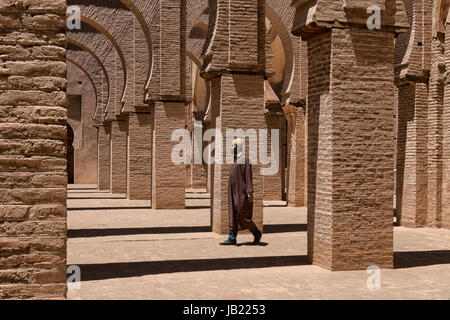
{"x":33,"y":177}
{"x":168,"y":179}
{"x":104,"y":157}
{"x":274,"y":184}
{"x":446,"y":138}
{"x":237,"y":64}
{"x":350,"y":152}
{"x":118,"y":150}
{"x":296,"y":191}
{"x":139,"y":156}
{"x":435,"y":136}
{"x":411,"y":188}
{"x":208,"y":167}
{"x":350,"y":132}
{"x":228,"y":95}
{"x":197,"y":171}
{"x":166,"y":91}
{"x":198,"y":176}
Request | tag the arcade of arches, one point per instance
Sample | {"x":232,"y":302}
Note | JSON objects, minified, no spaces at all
{"x":363,"y":116}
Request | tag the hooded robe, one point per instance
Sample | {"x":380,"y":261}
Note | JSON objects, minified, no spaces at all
{"x":240,"y":209}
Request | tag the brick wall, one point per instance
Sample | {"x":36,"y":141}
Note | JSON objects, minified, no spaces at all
{"x":33,"y":175}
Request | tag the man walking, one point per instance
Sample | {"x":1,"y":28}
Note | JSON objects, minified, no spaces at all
{"x":240,"y":196}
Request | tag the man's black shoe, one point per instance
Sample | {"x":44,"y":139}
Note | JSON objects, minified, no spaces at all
{"x":257,"y":234}
{"x":228,"y":242}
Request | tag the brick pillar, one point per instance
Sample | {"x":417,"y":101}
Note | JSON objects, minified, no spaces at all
{"x":435,"y":136}
{"x":168,"y":179}
{"x":446,"y":138}
{"x":118,"y":150}
{"x":411,"y":188}
{"x":350,"y":149}
{"x":104,"y":157}
{"x":208,"y":167}
{"x":198,"y":176}
{"x":139,"y":156}
{"x":273,"y":184}
{"x":296,"y":193}
{"x":197,"y":171}
{"x":33,"y":177}
{"x":236,"y":64}
{"x":230,"y":93}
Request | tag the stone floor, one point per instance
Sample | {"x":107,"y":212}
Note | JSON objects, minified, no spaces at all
{"x":127,"y":251}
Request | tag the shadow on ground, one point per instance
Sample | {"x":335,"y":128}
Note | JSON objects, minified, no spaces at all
{"x":90,"y":233}
{"x":414,"y":259}
{"x":91,"y":272}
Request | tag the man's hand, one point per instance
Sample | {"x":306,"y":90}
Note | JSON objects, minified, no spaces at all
{"x":250,"y":197}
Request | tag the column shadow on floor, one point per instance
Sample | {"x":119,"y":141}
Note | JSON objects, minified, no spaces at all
{"x":88,"y":191}
{"x":250,"y":244}
{"x":90,"y":233}
{"x":107,"y":208}
{"x":95,"y":198}
{"x":91,"y":272}
{"x":282,"y":228}
{"x":414,"y":259}
{"x":197,"y":207}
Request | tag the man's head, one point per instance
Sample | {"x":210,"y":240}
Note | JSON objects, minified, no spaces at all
{"x":238,"y":145}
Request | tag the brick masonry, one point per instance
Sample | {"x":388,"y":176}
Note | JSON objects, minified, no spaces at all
{"x":446,"y":138}
{"x":435,"y":136}
{"x":297,"y":173}
{"x":118,"y":151}
{"x":139,"y":156}
{"x":350,"y":153}
{"x":104,"y":157}
{"x":168,"y":178}
{"x":350,"y":150}
{"x":412,"y":154}
{"x":33,"y":177}
{"x":274,"y":184}
{"x":235,"y":91}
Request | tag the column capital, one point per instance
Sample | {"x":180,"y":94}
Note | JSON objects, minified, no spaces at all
{"x":316,"y":16}
{"x":239,"y":44}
